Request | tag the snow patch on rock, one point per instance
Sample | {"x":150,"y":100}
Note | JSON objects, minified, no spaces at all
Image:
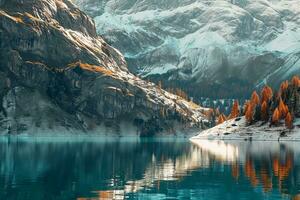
{"x":237,"y":129}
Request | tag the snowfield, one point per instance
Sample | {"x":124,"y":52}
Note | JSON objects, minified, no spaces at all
{"x":253,"y":41}
{"x":237,"y":129}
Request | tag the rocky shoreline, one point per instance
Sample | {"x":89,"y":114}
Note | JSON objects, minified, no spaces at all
{"x":238,"y":129}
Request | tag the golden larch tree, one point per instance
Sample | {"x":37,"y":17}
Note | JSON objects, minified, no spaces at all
{"x":289,"y":121}
{"x":246,"y":104}
{"x":283,"y":109}
{"x":266,"y":94}
{"x":296,"y":81}
{"x":249,"y":112}
{"x":235,"y":111}
{"x":264,"y":111}
{"x":221,"y":119}
{"x":276,"y":116}
{"x":284,"y":86}
{"x":255,"y":98}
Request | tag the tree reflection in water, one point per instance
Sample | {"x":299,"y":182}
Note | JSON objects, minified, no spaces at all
{"x":265,"y":164}
{"x":140,"y":169}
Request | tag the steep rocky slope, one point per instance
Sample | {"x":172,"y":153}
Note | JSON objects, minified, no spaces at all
{"x":57,"y":75}
{"x":205,"y":46}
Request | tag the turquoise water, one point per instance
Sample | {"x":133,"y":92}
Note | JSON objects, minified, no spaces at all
{"x":97,"y":168}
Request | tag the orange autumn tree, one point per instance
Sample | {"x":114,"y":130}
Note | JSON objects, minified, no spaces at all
{"x":296,"y":81}
{"x":276,"y":116}
{"x":235,"y":111}
{"x":221,"y":119}
{"x":284,"y":86}
{"x":255,"y":98}
{"x":250,"y":107}
{"x":268,"y":100}
{"x":289,"y":121}
{"x":246,"y":106}
{"x":264,"y":111}
{"x":249,"y":112}
{"x":283,"y":109}
{"x":266,"y":94}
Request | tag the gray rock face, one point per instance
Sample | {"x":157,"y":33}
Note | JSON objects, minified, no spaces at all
{"x":56,"y":74}
{"x":241,"y":43}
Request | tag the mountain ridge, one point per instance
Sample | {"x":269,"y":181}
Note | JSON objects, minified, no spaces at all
{"x":58,"y":76}
{"x":242,"y":43}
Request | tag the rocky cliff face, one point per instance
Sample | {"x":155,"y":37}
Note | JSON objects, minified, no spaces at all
{"x":56,"y":74}
{"x":239,"y":44}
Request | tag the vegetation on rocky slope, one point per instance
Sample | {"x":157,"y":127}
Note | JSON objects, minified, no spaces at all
{"x":273,"y":107}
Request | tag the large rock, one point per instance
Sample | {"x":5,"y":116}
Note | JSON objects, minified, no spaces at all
{"x":56,"y":74}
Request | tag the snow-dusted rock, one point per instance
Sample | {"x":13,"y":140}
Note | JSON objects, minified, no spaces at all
{"x":238,"y":129}
{"x":242,"y":43}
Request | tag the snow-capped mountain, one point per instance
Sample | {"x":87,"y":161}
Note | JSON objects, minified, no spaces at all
{"x":230,"y":43}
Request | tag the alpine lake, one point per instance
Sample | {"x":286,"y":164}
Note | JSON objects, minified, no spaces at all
{"x":95,"y":168}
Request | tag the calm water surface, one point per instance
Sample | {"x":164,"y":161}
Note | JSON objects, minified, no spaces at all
{"x":95,"y":168}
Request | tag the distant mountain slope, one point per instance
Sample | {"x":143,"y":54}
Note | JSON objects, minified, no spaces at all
{"x":57,"y":75}
{"x":239,"y":44}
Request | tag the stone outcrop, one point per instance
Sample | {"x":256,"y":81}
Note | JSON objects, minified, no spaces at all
{"x":56,"y":74}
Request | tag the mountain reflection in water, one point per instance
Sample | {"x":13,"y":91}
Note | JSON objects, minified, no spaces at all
{"x":147,"y":169}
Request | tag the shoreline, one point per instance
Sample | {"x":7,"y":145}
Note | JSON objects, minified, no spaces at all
{"x":237,"y":129}
{"x":87,"y":138}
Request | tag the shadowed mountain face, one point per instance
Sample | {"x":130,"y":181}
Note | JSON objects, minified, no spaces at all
{"x":238,"y":44}
{"x":56,"y":74}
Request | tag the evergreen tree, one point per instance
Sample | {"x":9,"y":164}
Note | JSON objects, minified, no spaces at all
{"x":257,"y":113}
